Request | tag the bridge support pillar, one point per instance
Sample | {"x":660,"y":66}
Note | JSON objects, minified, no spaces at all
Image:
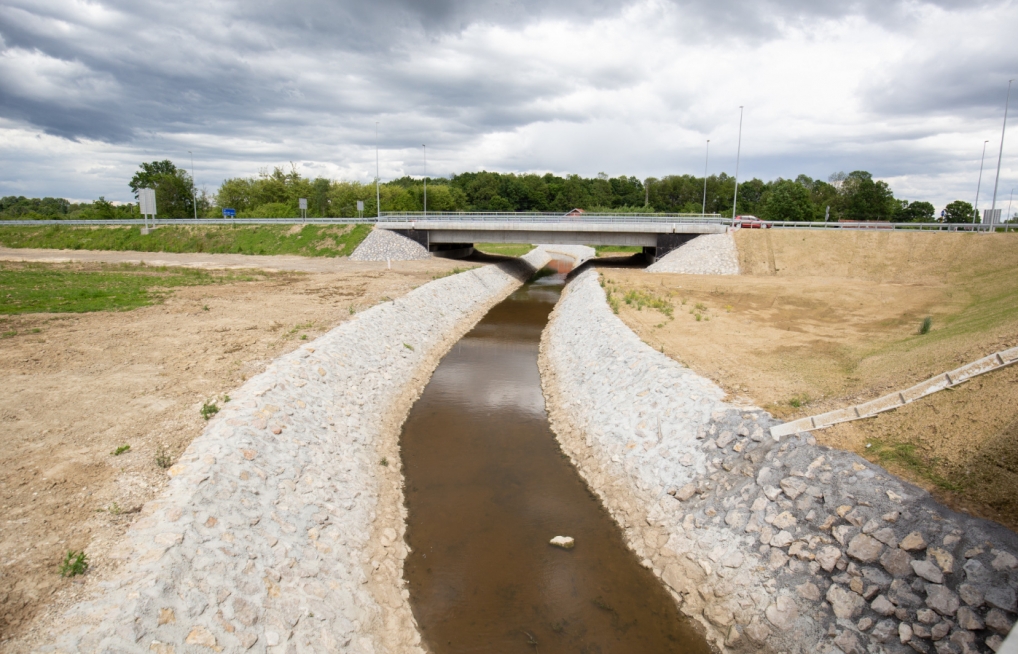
{"x":665,"y":244}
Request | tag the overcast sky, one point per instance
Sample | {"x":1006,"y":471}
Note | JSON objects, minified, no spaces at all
{"x":905,"y":89}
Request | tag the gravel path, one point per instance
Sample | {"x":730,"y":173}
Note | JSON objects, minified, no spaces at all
{"x":384,"y":244}
{"x":710,"y":254}
{"x":783,"y":545}
{"x":282,"y":527}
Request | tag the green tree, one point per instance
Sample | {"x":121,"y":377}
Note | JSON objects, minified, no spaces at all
{"x":959,"y":211}
{"x":787,"y":200}
{"x":862,"y":198}
{"x":914,"y":212}
{"x":175,"y":193}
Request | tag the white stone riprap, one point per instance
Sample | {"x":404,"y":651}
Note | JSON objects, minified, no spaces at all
{"x":384,"y":244}
{"x":785,"y":546}
{"x":282,"y":527}
{"x":710,"y":254}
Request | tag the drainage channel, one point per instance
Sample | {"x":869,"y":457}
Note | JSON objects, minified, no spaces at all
{"x":487,"y":487}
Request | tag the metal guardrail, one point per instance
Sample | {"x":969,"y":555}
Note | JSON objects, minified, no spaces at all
{"x":548,"y":217}
{"x":200,"y":221}
{"x":526,"y":217}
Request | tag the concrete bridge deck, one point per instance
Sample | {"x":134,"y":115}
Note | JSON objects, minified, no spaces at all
{"x":658,"y":234}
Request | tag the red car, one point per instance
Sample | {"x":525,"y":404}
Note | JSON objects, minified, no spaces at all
{"x":750,"y":222}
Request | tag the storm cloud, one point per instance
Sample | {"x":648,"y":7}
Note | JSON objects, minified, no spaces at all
{"x":908,"y":90}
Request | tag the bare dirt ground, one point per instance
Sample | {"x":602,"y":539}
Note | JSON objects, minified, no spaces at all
{"x":820,"y":321}
{"x":86,"y":384}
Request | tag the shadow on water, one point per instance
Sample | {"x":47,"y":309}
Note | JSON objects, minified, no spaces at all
{"x":487,"y":487}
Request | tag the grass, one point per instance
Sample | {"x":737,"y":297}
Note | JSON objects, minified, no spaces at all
{"x":120,"y":450}
{"x":616,"y":249}
{"x":505,"y":249}
{"x":74,"y":564}
{"x":306,"y":241}
{"x":448,"y":273}
{"x":641,"y":299}
{"x":924,"y":327}
{"x":43,"y":288}
{"x":906,"y":456}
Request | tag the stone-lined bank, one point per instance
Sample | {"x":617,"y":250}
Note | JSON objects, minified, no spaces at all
{"x":786,"y":546}
{"x":282,"y":528}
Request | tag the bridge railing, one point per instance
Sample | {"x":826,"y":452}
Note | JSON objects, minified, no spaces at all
{"x":549,"y":217}
{"x":191,"y":221}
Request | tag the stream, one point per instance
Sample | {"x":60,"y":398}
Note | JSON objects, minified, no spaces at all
{"x":487,"y":487}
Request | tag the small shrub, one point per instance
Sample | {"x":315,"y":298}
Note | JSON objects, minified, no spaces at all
{"x":205,"y":308}
{"x":226,"y":398}
{"x":384,"y":462}
{"x":352,"y":310}
{"x":75,"y":563}
{"x":120,"y":450}
{"x":163,"y":458}
{"x":115,"y":509}
{"x":924,"y":327}
{"x":408,"y":346}
{"x":303,"y":337}
{"x":208,"y":410}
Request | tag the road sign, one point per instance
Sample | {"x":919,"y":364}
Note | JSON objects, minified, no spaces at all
{"x":229,"y":213}
{"x":303,"y":204}
{"x":991,"y":216}
{"x":360,"y":205}
{"x":147,"y":201}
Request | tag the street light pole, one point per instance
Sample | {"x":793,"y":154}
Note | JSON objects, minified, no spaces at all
{"x":738,"y":153}
{"x":425,"y":179}
{"x":980,"y":182}
{"x":1000,"y":155}
{"x":378,"y":193}
{"x":706,"y":158}
{"x":194,"y":188}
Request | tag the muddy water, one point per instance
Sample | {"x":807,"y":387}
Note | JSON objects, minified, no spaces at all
{"x":487,"y":487}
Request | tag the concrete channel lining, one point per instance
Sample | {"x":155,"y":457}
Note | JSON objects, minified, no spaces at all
{"x":900,"y":398}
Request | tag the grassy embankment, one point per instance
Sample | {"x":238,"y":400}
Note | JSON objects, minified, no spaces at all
{"x":505,"y":249}
{"x":306,"y":240}
{"x":819,"y":321}
{"x":63,"y":288}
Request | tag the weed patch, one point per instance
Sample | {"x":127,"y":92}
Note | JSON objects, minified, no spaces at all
{"x":163,"y":458}
{"x":209,"y":409}
{"x":120,"y":450}
{"x":74,"y":564}
{"x":908,"y":457}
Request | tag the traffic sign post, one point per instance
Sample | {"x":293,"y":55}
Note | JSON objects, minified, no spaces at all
{"x":230,"y":213}
{"x":304,"y":208}
{"x":147,"y":206}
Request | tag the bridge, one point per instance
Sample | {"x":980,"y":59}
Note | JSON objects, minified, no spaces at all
{"x":453,"y":233}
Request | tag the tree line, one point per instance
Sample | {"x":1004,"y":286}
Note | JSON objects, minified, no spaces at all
{"x":275,"y":194}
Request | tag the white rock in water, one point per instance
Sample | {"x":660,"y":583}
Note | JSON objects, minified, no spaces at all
{"x":565,"y":542}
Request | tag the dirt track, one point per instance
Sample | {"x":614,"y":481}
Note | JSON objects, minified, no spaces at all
{"x":820,"y":321}
{"x":86,"y":384}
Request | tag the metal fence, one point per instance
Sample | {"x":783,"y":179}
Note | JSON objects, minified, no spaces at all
{"x":549,"y":217}
{"x":200,"y":221}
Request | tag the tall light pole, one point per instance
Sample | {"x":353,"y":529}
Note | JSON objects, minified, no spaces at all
{"x":378,"y":193}
{"x":425,"y":179}
{"x":980,"y":182}
{"x":738,"y":153}
{"x":194,"y":188}
{"x":706,"y":158}
{"x":1000,"y":155}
